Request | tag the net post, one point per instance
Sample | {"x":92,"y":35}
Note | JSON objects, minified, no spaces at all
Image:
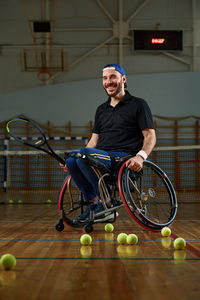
{"x":6,"y":141}
{"x":48,"y":157}
{"x":197,"y":158}
{"x":27,"y":160}
{"x":177,"y":173}
{"x":69,"y":127}
{"x":155,"y":158}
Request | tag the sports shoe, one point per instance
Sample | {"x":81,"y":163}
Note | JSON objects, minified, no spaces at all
{"x":116,"y":202}
{"x":86,"y":214}
{"x":97,"y":208}
{"x":103,"y":217}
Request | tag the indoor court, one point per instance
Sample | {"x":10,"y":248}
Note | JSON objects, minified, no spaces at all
{"x":54,"y":265}
{"x":52,"y":56}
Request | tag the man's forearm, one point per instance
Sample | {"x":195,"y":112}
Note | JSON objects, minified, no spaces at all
{"x":90,"y":144}
{"x":148,"y":143}
{"x":93,"y":141}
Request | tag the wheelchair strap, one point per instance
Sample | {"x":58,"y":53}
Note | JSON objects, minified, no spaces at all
{"x":90,"y":160}
{"x":112,"y":160}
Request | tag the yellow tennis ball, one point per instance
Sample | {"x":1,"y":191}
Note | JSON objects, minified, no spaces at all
{"x":166,"y":231}
{"x":179,"y":243}
{"x":122,"y":238}
{"x":48,"y":201}
{"x":109,"y":227}
{"x":132,"y":239}
{"x":85,"y":239}
{"x":8,"y":261}
{"x":20,"y":201}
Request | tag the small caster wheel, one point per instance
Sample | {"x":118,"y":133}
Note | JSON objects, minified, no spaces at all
{"x":88,"y":228}
{"x":60,"y":226}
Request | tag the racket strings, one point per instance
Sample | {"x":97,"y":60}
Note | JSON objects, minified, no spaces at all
{"x":26,"y":132}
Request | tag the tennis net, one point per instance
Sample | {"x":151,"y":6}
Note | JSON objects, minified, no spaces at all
{"x":33,"y":176}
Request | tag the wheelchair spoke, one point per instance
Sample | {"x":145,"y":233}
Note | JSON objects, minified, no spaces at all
{"x":149,"y":195}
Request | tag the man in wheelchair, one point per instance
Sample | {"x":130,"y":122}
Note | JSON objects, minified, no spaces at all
{"x":123,"y":131}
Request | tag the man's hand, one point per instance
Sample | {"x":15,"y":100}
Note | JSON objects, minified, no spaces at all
{"x":64,"y":168}
{"x":135,"y":163}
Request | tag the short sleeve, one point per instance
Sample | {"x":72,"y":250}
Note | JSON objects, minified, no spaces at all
{"x":96,"y":123}
{"x":144,"y":116}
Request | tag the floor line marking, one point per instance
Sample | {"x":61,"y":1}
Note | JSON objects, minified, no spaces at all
{"x":108,"y":258}
{"x":78,"y":240}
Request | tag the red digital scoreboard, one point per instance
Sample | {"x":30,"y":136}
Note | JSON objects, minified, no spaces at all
{"x":158,"y":40}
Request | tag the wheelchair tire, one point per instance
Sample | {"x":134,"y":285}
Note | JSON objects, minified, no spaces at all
{"x":148,"y":196}
{"x":60,"y":226}
{"x":70,"y":203}
{"x":88,"y":228}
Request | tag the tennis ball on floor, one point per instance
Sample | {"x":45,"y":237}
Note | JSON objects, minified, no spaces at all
{"x":10,"y":201}
{"x":48,"y":201}
{"x":132,"y":239}
{"x":20,"y":201}
{"x":122,"y":238}
{"x":8,"y":261}
{"x":179,"y":243}
{"x":109,"y":227}
{"x":85,"y":239}
{"x":166,"y":231}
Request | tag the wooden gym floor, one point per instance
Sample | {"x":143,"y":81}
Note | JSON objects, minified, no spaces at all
{"x":53,"y":265}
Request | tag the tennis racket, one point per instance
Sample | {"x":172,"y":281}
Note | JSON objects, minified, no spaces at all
{"x":34,"y":136}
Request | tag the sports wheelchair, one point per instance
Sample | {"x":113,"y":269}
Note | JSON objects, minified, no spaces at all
{"x":148,"y":196}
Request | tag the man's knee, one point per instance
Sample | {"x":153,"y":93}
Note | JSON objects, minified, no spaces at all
{"x":81,"y":163}
{"x":86,"y":150}
{"x":71,"y":162}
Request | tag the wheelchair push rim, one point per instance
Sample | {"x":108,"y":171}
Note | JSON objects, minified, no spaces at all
{"x":159,"y":188}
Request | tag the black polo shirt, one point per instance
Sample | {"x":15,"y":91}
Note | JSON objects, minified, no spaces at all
{"x":120,"y":127}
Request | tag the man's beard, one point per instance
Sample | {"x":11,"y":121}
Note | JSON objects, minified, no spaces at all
{"x":118,"y":90}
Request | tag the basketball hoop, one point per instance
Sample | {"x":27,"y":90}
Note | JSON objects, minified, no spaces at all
{"x":44,"y":75}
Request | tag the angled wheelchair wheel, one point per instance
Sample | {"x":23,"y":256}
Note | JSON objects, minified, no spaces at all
{"x":148,"y":196}
{"x":70,"y":202}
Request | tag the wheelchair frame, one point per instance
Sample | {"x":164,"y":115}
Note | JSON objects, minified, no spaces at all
{"x":137,"y":199}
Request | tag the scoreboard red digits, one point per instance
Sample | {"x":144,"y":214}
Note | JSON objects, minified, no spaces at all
{"x":158,"y":40}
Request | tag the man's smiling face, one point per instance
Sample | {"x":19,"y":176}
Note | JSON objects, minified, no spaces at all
{"x":113,"y":82}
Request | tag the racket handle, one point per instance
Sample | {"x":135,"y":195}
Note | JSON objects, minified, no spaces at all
{"x":58,"y":158}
